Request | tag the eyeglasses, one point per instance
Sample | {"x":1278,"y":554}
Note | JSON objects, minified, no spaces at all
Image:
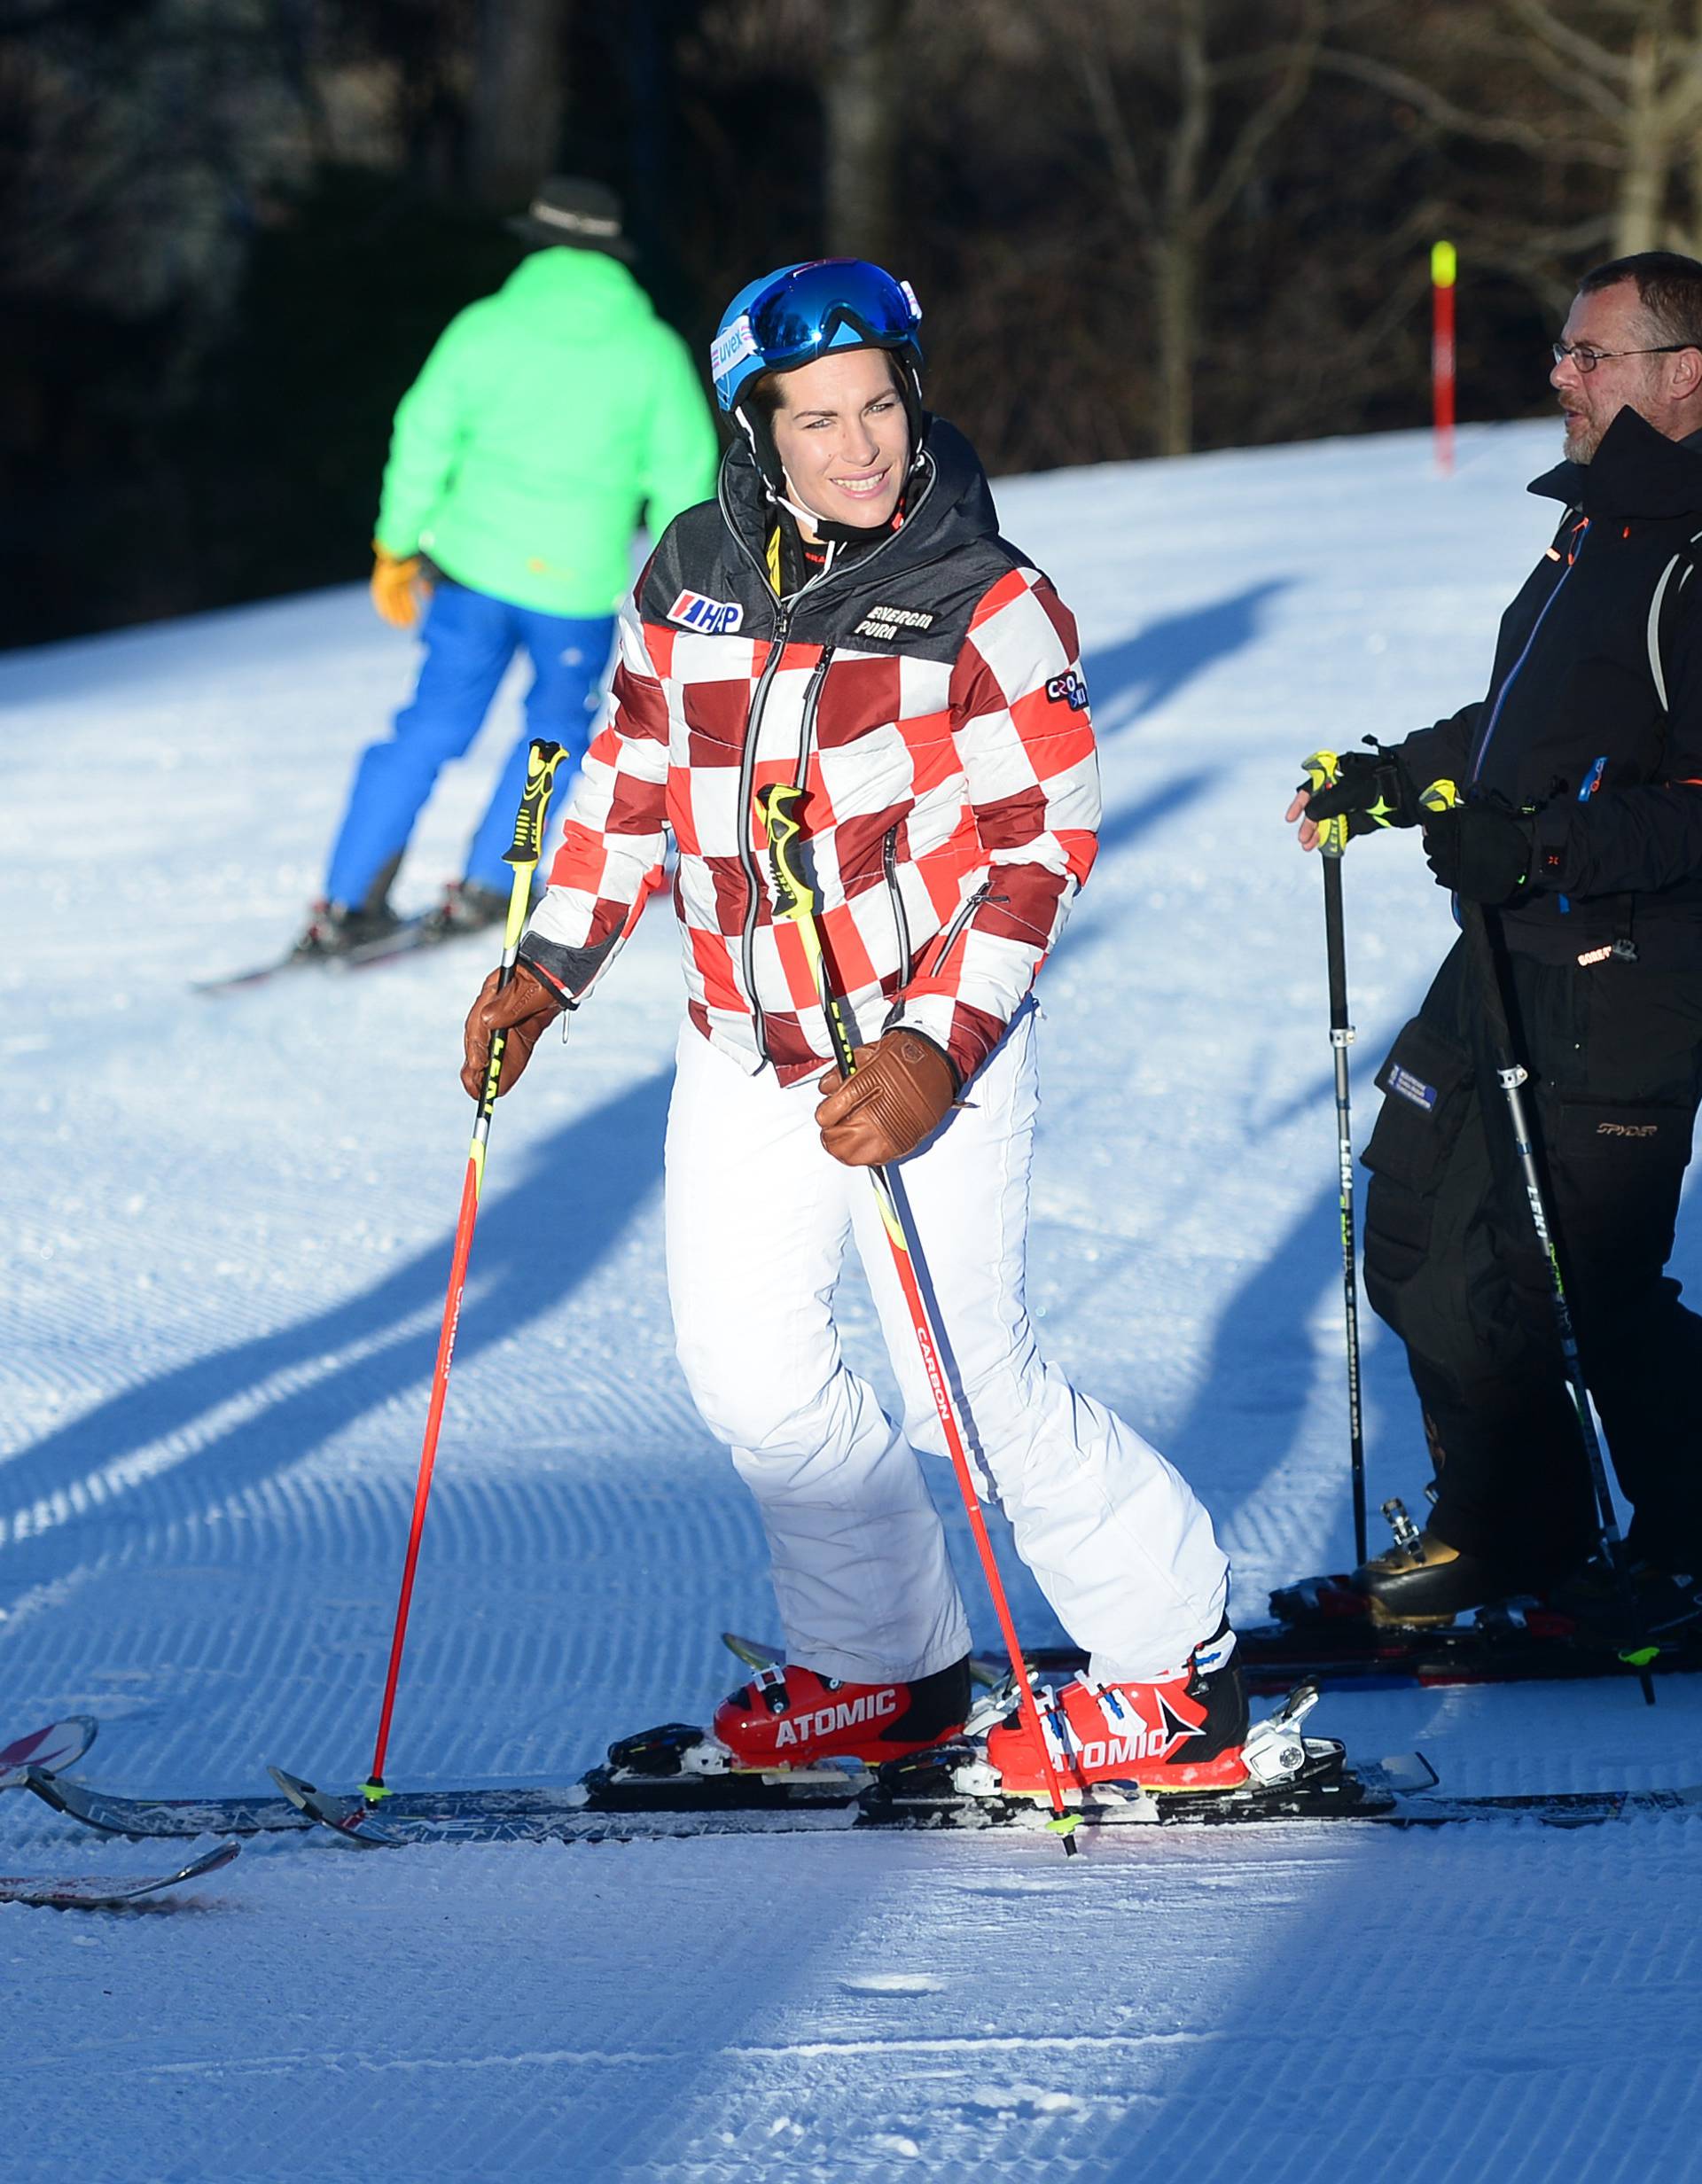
{"x":1587,"y":359}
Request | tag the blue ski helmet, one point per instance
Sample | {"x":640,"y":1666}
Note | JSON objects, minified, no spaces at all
{"x":792,"y":317}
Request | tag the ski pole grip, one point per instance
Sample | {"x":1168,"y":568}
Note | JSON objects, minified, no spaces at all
{"x":1323,"y":770}
{"x":542,"y":761}
{"x":523,"y":854}
{"x":778,"y":807}
{"x":1440,"y":796}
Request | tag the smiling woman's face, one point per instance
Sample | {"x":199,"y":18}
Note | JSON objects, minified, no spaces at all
{"x":842,"y":434}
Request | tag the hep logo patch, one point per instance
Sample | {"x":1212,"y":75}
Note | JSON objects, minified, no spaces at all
{"x":711,"y":618}
{"x":1068,"y":689}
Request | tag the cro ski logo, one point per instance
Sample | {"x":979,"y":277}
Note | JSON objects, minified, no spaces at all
{"x":715,"y":618}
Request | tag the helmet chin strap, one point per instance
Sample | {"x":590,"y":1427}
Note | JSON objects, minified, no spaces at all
{"x":805,"y":515}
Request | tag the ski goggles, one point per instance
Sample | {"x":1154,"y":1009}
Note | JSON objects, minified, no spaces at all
{"x":837,"y":303}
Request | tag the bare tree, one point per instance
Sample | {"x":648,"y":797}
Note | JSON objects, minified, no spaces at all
{"x":1598,"y":101}
{"x":862,"y":103}
{"x":1175,"y":186}
{"x":516,"y":101}
{"x":1631,"y":72}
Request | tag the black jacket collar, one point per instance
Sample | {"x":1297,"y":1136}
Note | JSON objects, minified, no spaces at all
{"x":950,"y":503}
{"x":1637,"y":472}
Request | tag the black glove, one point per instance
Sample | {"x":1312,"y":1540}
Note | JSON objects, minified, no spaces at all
{"x":1481,"y":853}
{"x":1371,"y":792}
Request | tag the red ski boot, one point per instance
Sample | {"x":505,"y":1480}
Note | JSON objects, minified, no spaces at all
{"x":1181,"y":1732}
{"x":793,"y":1718}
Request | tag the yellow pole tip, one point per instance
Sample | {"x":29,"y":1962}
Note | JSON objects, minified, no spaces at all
{"x":1444,"y":264}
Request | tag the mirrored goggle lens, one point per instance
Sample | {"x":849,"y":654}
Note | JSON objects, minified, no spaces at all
{"x":799,"y":316}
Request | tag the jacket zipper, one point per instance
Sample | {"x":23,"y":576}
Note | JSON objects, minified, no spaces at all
{"x":889,"y":865}
{"x":746,"y":855}
{"x":1512,"y":673}
{"x":784,"y":611}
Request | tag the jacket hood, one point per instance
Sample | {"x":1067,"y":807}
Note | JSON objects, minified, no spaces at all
{"x":1637,"y":472}
{"x":583,"y":284}
{"x":950,"y":503}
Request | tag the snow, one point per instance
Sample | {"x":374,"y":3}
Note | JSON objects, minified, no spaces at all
{"x":225,"y":1244}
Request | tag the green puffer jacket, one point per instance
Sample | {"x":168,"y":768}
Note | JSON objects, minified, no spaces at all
{"x":546,"y":419}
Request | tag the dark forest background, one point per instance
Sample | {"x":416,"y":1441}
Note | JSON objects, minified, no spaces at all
{"x":230,"y":230}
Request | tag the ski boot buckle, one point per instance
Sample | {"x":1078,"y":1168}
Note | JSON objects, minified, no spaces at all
{"x":1276,"y":1751}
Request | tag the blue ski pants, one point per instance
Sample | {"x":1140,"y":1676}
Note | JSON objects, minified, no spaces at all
{"x":469,"y":638}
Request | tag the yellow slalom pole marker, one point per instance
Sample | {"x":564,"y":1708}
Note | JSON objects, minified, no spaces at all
{"x":1444,"y":264}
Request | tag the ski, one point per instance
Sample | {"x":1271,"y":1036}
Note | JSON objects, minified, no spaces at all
{"x":153,"y":1818}
{"x":407,"y":938}
{"x":108,"y":1892}
{"x":616,"y":1805}
{"x":149,"y":1817}
{"x":44,"y":1751}
{"x":599,"y":1808}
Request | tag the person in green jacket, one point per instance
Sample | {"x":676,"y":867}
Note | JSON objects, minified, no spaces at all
{"x":549,"y":419}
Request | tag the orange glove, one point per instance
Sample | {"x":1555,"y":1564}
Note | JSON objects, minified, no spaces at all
{"x":525,"y":1009}
{"x":900,"y":1093}
{"x":397,"y":585}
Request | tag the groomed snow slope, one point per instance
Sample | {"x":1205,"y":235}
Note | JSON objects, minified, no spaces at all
{"x":224,"y":1249}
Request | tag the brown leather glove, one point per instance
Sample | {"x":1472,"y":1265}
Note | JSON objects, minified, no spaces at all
{"x":899,"y":1094}
{"x":525,"y":1009}
{"x":397,"y":586}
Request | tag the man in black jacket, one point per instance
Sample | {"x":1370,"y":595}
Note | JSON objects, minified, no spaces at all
{"x":1580,"y":829}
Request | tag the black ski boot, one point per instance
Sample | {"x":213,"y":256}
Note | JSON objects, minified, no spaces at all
{"x":335,"y":930}
{"x":1421,"y":1582}
{"x":344,"y":929}
{"x":1644,"y":1610}
{"x":467,"y":907}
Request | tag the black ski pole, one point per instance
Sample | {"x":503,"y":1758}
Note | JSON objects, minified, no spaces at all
{"x":1320,"y":771}
{"x":1441,"y":796}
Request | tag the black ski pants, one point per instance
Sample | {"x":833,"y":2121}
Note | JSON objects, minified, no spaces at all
{"x":1452,"y":1262}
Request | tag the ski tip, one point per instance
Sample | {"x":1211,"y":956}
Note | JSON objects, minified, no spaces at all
{"x":347,"y":1818}
{"x":295,"y":1788}
{"x":44,"y":1783}
{"x":224,"y":1854}
{"x":60,"y":1744}
{"x":1404,"y":1770}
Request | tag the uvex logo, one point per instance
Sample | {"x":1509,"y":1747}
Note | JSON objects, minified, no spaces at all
{"x":847,"y":1715}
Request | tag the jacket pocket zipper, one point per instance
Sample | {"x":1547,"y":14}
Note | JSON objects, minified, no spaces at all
{"x":889,"y":865}
{"x":948,"y":940}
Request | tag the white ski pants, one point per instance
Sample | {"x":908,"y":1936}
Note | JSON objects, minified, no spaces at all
{"x":758,"y":1217}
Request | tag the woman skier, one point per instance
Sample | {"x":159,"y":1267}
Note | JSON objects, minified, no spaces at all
{"x":845,"y":619}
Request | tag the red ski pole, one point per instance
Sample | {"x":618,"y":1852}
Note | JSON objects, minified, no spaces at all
{"x":542,"y":762}
{"x":798,"y":902}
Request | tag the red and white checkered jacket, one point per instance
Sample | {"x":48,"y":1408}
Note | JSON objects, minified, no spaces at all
{"x":928,"y":694}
